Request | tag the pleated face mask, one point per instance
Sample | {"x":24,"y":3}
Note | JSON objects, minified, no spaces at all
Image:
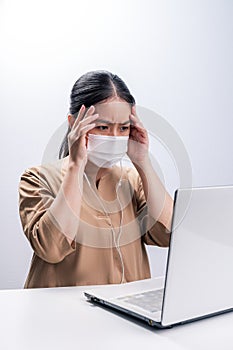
{"x":105,"y":151}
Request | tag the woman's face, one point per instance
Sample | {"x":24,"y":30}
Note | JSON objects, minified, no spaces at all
{"x":114,"y":118}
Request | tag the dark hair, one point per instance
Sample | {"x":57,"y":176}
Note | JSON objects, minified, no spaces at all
{"x":91,"y":88}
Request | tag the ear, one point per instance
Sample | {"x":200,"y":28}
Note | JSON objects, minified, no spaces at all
{"x":71,"y":120}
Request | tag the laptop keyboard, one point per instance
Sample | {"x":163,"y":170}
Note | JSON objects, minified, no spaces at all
{"x":150,"y":301}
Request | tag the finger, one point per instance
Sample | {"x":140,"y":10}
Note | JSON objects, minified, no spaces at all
{"x":83,"y":113}
{"x":87,"y":128}
{"x":80,"y":116}
{"x":82,"y":132}
{"x":138,"y":130}
{"x":138,"y":135}
{"x":89,"y":112}
{"x":136,"y":121}
{"x":134,"y":109}
{"x":134,"y":113}
{"x":135,"y":117}
{"x":86,"y":121}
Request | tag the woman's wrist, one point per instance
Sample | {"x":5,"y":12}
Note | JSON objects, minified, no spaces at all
{"x":77,"y":166}
{"x":143,"y":164}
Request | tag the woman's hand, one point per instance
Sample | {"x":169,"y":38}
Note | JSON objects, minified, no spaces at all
{"x":77,"y":138}
{"x":138,"y":144}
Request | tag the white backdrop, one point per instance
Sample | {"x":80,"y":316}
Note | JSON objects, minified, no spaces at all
{"x":175,"y":56}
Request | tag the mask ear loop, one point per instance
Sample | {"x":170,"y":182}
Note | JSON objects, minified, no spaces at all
{"x":116,"y":242}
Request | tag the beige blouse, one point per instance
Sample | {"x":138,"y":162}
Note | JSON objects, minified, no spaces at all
{"x":97,"y":254}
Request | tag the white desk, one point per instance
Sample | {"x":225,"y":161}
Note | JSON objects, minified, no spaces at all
{"x":61,"y":318}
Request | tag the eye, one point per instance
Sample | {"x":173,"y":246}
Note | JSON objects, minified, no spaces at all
{"x":101,"y":127}
{"x":124,"y":128}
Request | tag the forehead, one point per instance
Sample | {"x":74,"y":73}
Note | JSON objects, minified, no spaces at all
{"x":114,"y":111}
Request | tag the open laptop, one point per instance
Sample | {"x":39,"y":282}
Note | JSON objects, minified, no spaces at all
{"x":199,"y":279}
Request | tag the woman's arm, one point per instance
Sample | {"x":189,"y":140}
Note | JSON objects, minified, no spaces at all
{"x":159,"y":202}
{"x":67,"y":204}
{"x":50,"y":221}
{"x":65,"y":208}
{"x":38,"y":188}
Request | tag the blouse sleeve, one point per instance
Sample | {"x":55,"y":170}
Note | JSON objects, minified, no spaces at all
{"x":39,"y":225}
{"x":155,"y":233}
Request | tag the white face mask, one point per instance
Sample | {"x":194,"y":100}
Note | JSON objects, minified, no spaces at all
{"x":105,"y":151}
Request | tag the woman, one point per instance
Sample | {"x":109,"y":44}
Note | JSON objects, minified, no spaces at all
{"x":87,"y":218}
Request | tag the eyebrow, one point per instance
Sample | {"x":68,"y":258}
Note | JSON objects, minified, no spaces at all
{"x":108,"y":122}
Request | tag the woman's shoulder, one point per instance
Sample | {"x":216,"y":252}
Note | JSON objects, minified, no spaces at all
{"x":46,"y":171}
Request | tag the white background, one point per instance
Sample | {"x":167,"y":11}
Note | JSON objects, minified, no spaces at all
{"x":175,"y":56}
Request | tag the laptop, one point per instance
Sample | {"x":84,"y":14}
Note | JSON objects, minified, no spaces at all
{"x":198,"y":282}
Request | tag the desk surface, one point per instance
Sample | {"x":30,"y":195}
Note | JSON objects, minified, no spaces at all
{"x":59,"y":318}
